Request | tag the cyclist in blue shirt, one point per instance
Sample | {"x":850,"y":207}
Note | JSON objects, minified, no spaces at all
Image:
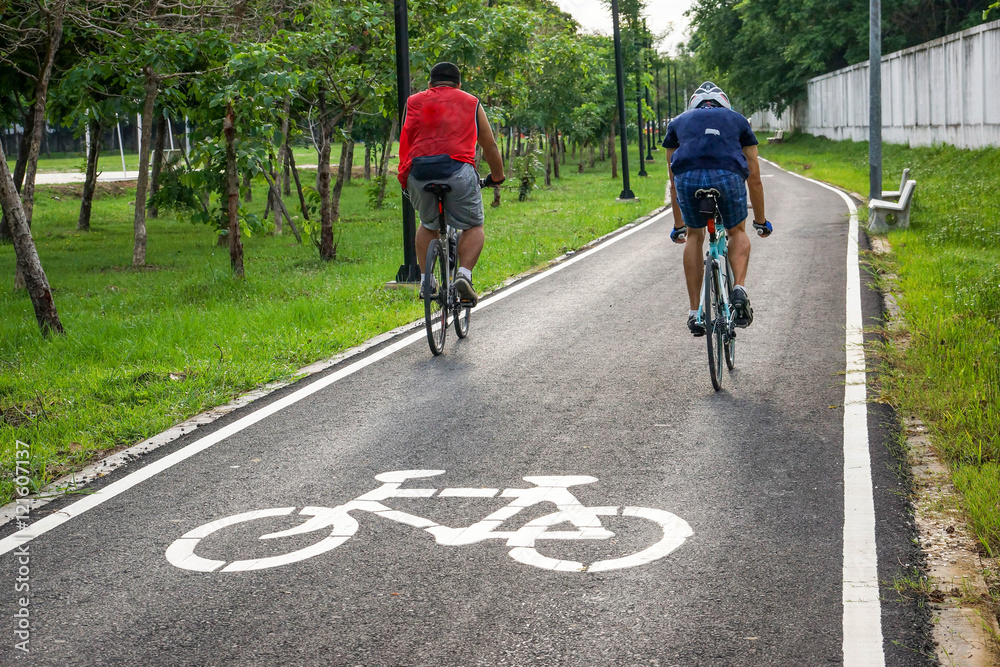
{"x":712,"y":146}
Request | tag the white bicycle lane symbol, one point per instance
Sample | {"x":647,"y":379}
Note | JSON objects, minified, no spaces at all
{"x":547,"y":489}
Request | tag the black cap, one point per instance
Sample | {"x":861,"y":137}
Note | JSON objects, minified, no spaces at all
{"x":446,"y":72}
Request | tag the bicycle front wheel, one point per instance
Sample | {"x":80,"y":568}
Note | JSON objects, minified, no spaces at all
{"x":714,"y":323}
{"x":436,"y":301}
{"x":731,"y":330}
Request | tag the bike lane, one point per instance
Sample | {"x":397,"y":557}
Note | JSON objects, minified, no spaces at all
{"x":588,"y":372}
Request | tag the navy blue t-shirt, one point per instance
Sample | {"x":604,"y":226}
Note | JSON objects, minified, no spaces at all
{"x":709,"y":138}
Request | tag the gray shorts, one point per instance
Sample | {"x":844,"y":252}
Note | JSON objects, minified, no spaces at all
{"x":463,"y":206}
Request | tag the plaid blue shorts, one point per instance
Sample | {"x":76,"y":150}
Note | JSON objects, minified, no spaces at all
{"x":732,"y":204}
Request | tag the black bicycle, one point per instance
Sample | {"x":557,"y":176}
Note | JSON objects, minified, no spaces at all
{"x":441,"y":300}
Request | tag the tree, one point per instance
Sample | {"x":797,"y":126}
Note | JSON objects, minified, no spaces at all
{"x":27,"y":256}
{"x":764,"y":51}
{"x":344,"y":56}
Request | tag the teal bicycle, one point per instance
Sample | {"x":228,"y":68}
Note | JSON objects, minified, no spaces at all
{"x":715,"y":310}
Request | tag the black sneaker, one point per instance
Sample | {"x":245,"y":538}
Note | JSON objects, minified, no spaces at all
{"x":695,"y":327}
{"x":465,"y":291}
{"x":743,"y":316}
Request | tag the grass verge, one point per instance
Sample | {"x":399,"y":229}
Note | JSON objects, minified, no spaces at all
{"x":147,"y":349}
{"x":948,"y":263}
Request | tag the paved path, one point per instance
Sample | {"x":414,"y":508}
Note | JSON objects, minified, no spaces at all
{"x":79,"y":177}
{"x":733,"y":501}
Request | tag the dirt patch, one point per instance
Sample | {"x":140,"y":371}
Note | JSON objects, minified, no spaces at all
{"x":15,"y":415}
{"x":102,"y":190}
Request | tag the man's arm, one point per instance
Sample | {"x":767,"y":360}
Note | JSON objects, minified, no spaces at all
{"x":678,"y":219}
{"x":491,"y":152}
{"x":756,"y":187}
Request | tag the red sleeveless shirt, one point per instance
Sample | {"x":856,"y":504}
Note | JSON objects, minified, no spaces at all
{"x":439,"y":121}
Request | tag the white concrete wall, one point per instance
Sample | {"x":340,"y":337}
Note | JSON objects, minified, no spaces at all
{"x":944,"y":91}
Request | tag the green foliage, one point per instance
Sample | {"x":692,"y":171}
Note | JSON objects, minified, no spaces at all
{"x":527,"y":168}
{"x":764,"y":51}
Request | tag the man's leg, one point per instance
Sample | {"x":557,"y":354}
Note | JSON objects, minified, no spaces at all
{"x":470,"y":245}
{"x":422,"y":241}
{"x":739,"y":251}
{"x":694,"y":264}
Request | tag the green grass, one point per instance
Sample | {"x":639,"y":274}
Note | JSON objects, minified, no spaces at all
{"x":948,"y":264}
{"x":147,"y":349}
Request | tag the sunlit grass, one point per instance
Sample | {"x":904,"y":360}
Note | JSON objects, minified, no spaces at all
{"x":146,"y":349}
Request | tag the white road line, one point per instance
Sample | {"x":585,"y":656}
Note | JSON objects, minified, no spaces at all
{"x":863,"y":642}
{"x":44,"y":525}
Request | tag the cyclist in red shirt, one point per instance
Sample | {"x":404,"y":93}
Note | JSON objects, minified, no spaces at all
{"x":438,"y":144}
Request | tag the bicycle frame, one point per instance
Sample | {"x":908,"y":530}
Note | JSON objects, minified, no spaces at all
{"x":717,"y":262}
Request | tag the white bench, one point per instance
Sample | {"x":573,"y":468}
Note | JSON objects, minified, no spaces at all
{"x":879,"y":211}
{"x":893,"y":195}
{"x":778,"y":138}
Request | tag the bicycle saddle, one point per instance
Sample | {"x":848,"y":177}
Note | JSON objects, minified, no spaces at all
{"x":437,"y":188}
{"x":707,"y":192}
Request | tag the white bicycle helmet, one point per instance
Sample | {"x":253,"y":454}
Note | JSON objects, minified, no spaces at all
{"x":709,"y":94}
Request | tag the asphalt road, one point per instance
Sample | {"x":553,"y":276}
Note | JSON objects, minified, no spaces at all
{"x":588,"y":372}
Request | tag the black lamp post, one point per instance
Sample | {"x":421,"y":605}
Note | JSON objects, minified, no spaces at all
{"x":638,"y":110}
{"x":647,"y":63}
{"x":622,"y":125}
{"x":659,"y":130}
{"x":409,"y":272}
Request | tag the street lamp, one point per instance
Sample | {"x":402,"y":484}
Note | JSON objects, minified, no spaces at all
{"x":627,"y":193}
{"x":409,"y":272}
{"x":875,"y":100}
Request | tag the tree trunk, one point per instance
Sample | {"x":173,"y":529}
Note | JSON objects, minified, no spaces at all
{"x":562,"y":149}
{"x":342,"y":170}
{"x":27,"y":256}
{"x":611,"y":149}
{"x":286,"y":147}
{"x":158,"y":147}
{"x":89,"y":185}
{"x":548,"y":164}
{"x":233,"y":193}
{"x":41,"y":97}
{"x":274,"y":194}
{"x":591,"y":160}
{"x":281,"y":208}
{"x":368,"y":161}
{"x":24,"y":148}
{"x":22,"y":161}
{"x":383,"y":169}
{"x":349,"y":162}
{"x":248,"y":189}
{"x":298,"y":183}
{"x":151,"y":86}
{"x":326,"y":247}
{"x":603,"y":154}
{"x":556,"y":154}
{"x":583,"y":161}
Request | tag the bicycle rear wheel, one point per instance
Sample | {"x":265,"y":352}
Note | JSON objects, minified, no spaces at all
{"x":436,"y":301}
{"x":731,"y":330}
{"x":714,"y":323}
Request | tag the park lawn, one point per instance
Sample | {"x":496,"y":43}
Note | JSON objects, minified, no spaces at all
{"x":146,"y":349}
{"x":948,"y":263}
